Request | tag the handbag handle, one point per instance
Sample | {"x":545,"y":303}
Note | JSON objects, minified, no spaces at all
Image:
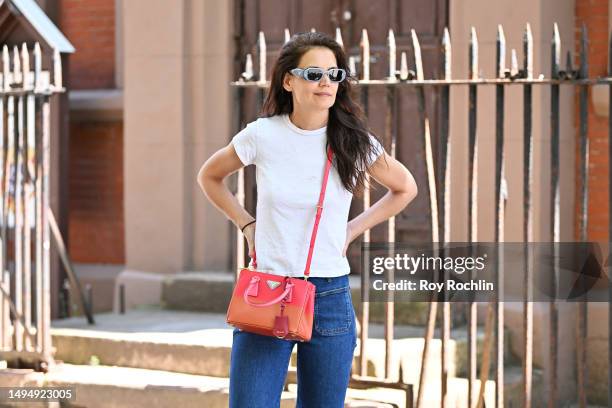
{"x":315,"y":227}
{"x":287,"y":291}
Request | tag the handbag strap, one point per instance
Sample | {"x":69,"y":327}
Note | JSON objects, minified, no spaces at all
{"x":315,"y":227}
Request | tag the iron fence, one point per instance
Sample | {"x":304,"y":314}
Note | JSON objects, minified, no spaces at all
{"x":438,"y":180}
{"x":25,"y":217}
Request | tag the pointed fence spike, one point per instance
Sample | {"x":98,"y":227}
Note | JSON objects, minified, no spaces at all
{"x":248,"y":68}
{"x":584,"y":55}
{"x":528,"y":52}
{"x":418,"y":61}
{"x":16,"y":66}
{"x":262,"y":56}
{"x":501,"y":52}
{"x":404,"y":67}
{"x":25,"y":60}
{"x":365,"y":55}
{"x":287,"y":35}
{"x":555,"y":52}
{"x":392,"y":54}
{"x":352,"y":65}
{"x":513,"y":64}
{"x":339,"y":37}
{"x":447,"y":50}
{"x":37,"y":67}
{"x":6,"y":68}
{"x":57,"y":69}
{"x":568,"y":65}
{"x":473,"y":54}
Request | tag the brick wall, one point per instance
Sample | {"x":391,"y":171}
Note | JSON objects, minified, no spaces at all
{"x":90,"y":27}
{"x":594,"y":14}
{"x":96,"y":192}
{"x":96,"y":232}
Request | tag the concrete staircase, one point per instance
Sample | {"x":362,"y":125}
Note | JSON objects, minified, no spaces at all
{"x":146,"y":358}
{"x":163,"y":348}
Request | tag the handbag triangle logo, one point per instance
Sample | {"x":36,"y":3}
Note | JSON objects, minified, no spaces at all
{"x":272,"y":284}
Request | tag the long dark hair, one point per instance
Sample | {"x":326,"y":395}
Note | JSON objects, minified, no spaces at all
{"x":347,"y":129}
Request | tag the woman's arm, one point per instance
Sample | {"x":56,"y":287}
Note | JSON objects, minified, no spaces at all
{"x":210,"y":178}
{"x":402,"y":190}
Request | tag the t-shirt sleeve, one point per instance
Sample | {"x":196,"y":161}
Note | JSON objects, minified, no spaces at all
{"x":376,"y":152}
{"x":245,"y":144}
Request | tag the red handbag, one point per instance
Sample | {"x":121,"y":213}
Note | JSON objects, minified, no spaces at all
{"x":275,"y":305}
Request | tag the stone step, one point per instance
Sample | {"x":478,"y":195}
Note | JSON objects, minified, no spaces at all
{"x":211,"y":291}
{"x":513,"y":387}
{"x":129,"y":383}
{"x":200,"y":343}
{"x":117,"y":387}
{"x":459,"y":388}
{"x":457,"y":394}
{"x":111,"y":386}
{"x":459,"y":337}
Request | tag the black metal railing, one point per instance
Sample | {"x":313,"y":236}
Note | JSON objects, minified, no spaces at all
{"x":438,"y":180}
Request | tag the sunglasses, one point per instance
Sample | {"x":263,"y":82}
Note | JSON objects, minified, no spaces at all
{"x":316,"y":74}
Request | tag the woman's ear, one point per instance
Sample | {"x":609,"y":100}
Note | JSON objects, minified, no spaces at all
{"x":287,"y":82}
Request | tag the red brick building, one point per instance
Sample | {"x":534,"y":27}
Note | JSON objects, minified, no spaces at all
{"x":96,"y":131}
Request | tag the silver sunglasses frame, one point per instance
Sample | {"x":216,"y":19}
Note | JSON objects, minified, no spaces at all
{"x":301,"y":72}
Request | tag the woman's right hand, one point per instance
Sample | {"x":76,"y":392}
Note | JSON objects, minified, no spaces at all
{"x":249,"y":234}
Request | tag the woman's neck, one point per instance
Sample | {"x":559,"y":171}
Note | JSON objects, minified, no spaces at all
{"x":311,"y":120}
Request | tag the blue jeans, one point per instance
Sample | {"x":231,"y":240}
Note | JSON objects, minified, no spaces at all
{"x":258,"y":366}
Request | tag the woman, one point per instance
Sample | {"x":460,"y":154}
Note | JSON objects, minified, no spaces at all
{"x":305,"y":111}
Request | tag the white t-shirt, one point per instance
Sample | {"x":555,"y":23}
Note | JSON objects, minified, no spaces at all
{"x":290,"y":163}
